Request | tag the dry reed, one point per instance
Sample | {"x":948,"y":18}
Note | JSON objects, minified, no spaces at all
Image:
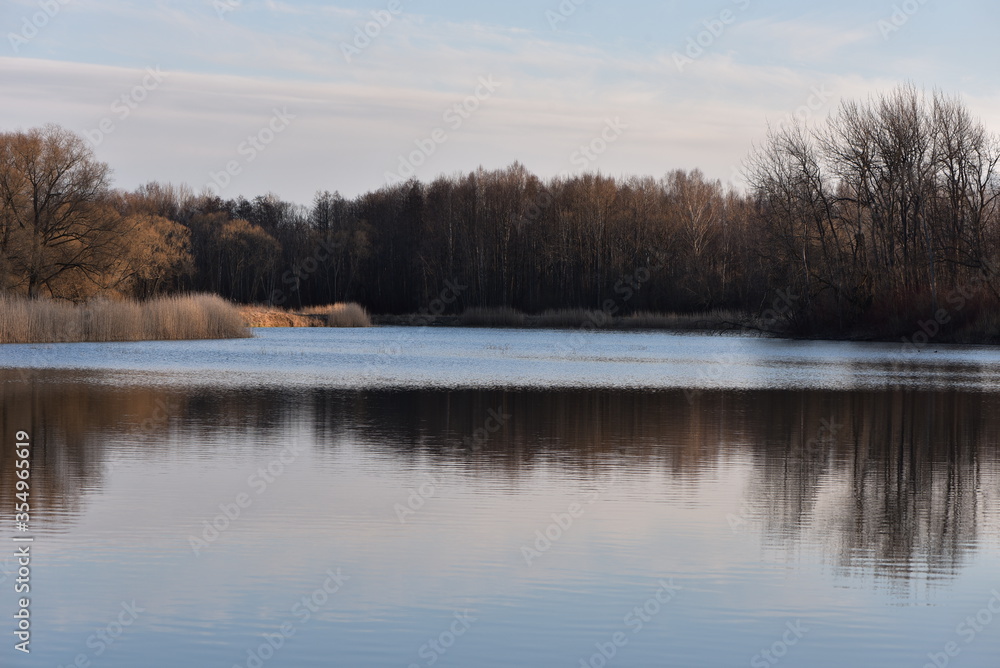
{"x":332,"y":315}
{"x":270,"y":316}
{"x":348,"y":315}
{"x":199,"y":316}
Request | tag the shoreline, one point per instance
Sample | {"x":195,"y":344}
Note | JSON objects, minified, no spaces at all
{"x":196,"y":317}
{"x":568,"y":322}
{"x":703,"y":324}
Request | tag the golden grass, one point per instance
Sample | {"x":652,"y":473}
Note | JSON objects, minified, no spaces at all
{"x":348,"y":315}
{"x":199,"y":316}
{"x":316,"y":310}
{"x":332,"y":315}
{"x":270,"y":316}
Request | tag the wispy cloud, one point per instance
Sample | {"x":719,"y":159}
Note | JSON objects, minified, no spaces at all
{"x":806,"y":41}
{"x":354,"y":119}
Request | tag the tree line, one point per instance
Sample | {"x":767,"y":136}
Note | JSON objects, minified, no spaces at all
{"x":882,"y":214}
{"x":887,"y":212}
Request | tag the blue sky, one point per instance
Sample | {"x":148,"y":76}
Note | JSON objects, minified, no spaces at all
{"x":257,"y":96}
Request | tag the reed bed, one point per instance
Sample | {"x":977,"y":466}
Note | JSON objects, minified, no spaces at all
{"x":270,"y":316}
{"x":199,"y":316}
{"x":348,"y":314}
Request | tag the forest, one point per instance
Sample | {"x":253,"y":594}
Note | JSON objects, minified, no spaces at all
{"x":869,"y":225}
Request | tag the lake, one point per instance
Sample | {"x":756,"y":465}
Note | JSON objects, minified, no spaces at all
{"x":469,"y":497}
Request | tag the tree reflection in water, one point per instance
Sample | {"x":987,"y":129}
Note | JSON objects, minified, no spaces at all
{"x":895,"y":484}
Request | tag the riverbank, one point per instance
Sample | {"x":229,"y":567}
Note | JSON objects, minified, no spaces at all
{"x":205,"y":316}
{"x":508,"y":318}
{"x":978,"y":327}
{"x":188,"y":317}
{"x":332,"y":315}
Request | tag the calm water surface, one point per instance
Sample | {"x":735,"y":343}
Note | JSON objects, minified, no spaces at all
{"x":439,"y":497}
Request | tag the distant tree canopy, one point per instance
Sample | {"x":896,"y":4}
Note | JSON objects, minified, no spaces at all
{"x":882,"y":212}
{"x":504,"y":237}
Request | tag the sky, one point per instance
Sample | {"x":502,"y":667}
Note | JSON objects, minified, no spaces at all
{"x":249,"y":97}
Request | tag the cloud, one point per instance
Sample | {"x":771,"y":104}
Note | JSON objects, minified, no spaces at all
{"x":353,"y":121}
{"x":804,"y":40}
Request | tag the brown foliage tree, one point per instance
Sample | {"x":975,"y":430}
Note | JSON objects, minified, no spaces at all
{"x":56,"y":224}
